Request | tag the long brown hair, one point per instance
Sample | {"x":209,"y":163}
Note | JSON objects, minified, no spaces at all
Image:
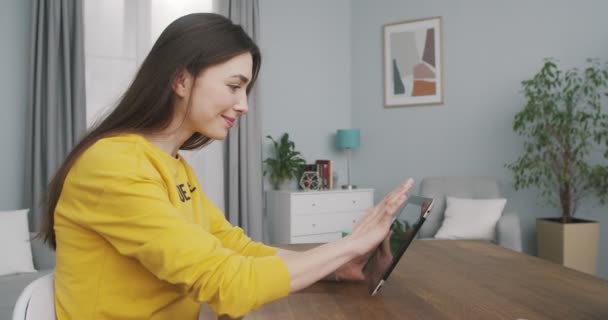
{"x":193,"y":42}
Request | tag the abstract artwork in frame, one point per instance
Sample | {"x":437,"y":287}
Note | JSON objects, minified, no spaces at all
{"x":413,"y":68}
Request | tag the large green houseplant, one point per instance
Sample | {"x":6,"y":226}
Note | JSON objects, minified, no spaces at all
{"x":565,"y":131}
{"x":287,"y":162}
{"x":566,"y":136}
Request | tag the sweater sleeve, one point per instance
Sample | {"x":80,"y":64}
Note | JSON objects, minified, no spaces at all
{"x":132,"y":211}
{"x":233,"y":237}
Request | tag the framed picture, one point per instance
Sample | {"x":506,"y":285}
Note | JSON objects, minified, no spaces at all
{"x":413,"y":64}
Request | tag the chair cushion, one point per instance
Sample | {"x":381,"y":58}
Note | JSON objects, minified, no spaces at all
{"x":15,"y":243}
{"x":471,"y":219}
{"x":462,"y":187}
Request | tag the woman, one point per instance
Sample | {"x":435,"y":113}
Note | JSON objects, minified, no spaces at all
{"x":136,"y":238}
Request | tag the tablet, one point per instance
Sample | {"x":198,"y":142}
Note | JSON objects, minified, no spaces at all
{"x":406,"y":224}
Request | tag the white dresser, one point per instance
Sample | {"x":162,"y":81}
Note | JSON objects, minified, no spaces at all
{"x":314,"y":216}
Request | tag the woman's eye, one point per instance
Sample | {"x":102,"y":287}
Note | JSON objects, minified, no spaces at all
{"x":234,"y":88}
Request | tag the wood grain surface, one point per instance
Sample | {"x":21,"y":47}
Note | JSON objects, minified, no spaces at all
{"x":453,"y":279}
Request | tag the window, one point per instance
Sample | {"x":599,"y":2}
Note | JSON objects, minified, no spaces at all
{"x":118,"y":36}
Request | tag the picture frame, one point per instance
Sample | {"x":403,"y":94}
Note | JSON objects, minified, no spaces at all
{"x":413,"y":63}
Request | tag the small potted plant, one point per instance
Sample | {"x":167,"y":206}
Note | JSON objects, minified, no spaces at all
{"x":565,"y":151}
{"x":286,"y":164}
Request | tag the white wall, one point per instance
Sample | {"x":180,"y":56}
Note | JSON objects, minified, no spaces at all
{"x":304,"y":84}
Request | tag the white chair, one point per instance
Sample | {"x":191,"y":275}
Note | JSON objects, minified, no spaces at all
{"x":37,"y":301}
{"x":508,"y":229}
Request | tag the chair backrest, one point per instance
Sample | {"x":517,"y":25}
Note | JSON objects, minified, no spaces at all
{"x":461,"y":187}
{"x":37,"y":301}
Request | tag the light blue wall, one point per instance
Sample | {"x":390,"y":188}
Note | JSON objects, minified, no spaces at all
{"x":489,"y":48}
{"x":304,"y":85}
{"x":314,"y":80}
{"x":14,"y":60}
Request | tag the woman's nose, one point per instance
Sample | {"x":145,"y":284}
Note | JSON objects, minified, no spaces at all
{"x":242,"y":105}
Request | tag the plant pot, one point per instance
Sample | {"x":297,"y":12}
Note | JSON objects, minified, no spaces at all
{"x":284,"y":186}
{"x":573,"y":245}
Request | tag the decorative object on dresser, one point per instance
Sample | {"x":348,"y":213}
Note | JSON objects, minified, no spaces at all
{"x":325,"y":168}
{"x":310,"y":179}
{"x":314,"y":216}
{"x":348,"y":139}
{"x":565,"y":128}
{"x":286,"y":164}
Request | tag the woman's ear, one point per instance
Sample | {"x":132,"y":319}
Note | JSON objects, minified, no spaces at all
{"x":182,"y":83}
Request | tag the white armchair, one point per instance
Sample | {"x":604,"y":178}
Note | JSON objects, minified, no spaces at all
{"x":508,"y":229}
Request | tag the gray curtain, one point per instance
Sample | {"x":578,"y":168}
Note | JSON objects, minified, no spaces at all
{"x":56,"y":105}
{"x":243,"y":147}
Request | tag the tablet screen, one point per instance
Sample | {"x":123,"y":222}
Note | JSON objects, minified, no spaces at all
{"x":403,"y":230}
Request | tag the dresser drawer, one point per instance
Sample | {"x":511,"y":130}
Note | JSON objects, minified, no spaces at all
{"x":323,"y":223}
{"x":315,"y":203}
{"x":314,"y":216}
{"x":317,"y":238}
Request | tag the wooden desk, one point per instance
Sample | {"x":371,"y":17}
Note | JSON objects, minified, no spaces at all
{"x":455,"y":280}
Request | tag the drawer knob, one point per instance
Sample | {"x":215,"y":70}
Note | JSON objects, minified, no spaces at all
{"x":355,"y":221}
{"x":314,"y":204}
{"x":314,"y":225}
{"x":354,"y":201}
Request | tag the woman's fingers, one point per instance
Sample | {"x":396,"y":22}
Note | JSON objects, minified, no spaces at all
{"x":393,"y":203}
{"x":396,"y":198}
{"x":391,"y":198}
{"x":402,"y":189}
{"x":401,"y":196}
{"x":387,"y":207}
{"x":389,"y":213}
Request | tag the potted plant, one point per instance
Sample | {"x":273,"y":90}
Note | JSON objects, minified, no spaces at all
{"x":286,"y":164}
{"x":565,"y":151}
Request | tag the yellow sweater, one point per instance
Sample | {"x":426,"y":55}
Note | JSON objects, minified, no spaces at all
{"x":138,"y":239}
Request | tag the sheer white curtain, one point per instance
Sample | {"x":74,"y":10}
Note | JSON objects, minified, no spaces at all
{"x":118,"y":36}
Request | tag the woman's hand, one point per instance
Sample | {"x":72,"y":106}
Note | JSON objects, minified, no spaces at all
{"x":312,"y":265}
{"x":377,"y":219}
{"x":375,"y":225}
{"x":353,"y":270}
{"x":384,"y":255}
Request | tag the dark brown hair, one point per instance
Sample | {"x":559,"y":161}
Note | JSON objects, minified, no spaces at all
{"x":194,"y":43}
